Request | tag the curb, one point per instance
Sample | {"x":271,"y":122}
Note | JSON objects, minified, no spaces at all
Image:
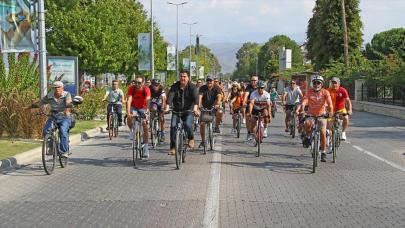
{"x":23,"y":159}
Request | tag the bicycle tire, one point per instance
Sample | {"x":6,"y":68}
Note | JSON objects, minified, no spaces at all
{"x":335,"y":140}
{"x":134,"y":150}
{"x":206,"y":139}
{"x":110,"y":126}
{"x":62,"y":161}
{"x":211,"y":137}
{"x":339,"y":139}
{"x":293,"y":126}
{"x":115,"y":125}
{"x":139,"y":153}
{"x":178,"y":148}
{"x":315,"y":149}
{"x":48,"y":154}
{"x":259,"y":136}
{"x":238,"y":126}
{"x":183,"y":154}
{"x":154,"y":133}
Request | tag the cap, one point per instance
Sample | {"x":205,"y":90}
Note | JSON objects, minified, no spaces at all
{"x":57,"y":84}
{"x":335,"y":79}
{"x":209,"y":78}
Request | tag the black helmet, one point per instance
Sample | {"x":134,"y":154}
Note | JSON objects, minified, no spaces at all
{"x":155,"y":81}
{"x":260,"y":84}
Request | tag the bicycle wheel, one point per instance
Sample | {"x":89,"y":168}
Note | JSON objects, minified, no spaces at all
{"x":154,"y":131}
{"x":273,"y":111}
{"x":139,"y":151}
{"x":293,"y":124}
{"x":134,"y":150}
{"x":259,"y":137}
{"x":110,"y":126}
{"x":338,"y":139}
{"x":238,"y":126}
{"x":335,"y":140}
{"x":62,"y":161}
{"x":315,"y":151}
{"x":206,"y":138}
{"x":115,"y":124}
{"x":179,"y":149}
{"x":183,"y":154}
{"x":211,"y":137}
{"x":49,"y":153}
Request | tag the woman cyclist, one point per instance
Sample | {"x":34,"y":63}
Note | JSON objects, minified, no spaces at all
{"x":235,"y":99}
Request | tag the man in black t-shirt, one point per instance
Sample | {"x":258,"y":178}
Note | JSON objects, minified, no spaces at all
{"x":248,"y":91}
{"x":158,"y":102}
{"x":209,"y":97}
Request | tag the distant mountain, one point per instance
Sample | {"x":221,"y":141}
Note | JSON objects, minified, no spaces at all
{"x":226,"y":54}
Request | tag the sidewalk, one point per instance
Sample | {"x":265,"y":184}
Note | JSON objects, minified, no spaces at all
{"x":26,"y":158}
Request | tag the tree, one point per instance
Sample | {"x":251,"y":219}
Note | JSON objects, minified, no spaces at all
{"x":325,"y":33}
{"x":269,"y":55}
{"x":246,"y":57}
{"x":386,"y":43}
{"x":103,"y":41}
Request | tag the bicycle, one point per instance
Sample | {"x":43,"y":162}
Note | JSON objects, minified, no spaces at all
{"x":137,"y":138}
{"x":259,"y":131}
{"x":293,"y":121}
{"x":315,"y":140}
{"x":238,"y":121}
{"x":112,"y":122}
{"x":155,"y":132}
{"x":273,"y":109}
{"x":181,"y":137}
{"x":336,"y":133}
{"x":196,"y":124}
{"x":207,"y":116}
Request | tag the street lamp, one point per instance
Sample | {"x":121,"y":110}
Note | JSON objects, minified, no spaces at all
{"x":177,"y":34}
{"x":152,"y":57}
{"x":189,"y":62}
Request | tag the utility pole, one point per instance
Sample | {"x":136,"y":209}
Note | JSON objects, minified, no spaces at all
{"x":152,"y":56}
{"x":42,"y":48}
{"x":189,"y":61}
{"x":177,"y":36}
{"x":345,"y":36}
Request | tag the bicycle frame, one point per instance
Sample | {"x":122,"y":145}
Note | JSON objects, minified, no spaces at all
{"x":137,"y":130}
{"x":181,"y":137}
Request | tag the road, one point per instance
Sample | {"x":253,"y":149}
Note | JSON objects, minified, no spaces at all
{"x":227,"y":188}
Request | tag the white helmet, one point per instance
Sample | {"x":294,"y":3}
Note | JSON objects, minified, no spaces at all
{"x":318,"y":78}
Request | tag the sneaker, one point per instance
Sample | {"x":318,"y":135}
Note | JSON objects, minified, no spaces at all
{"x":120,"y":124}
{"x":172,"y":152}
{"x":145,"y":151}
{"x":233,"y":131}
{"x":250,"y":137}
{"x":265,"y":133}
{"x":201,"y":145}
{"x":191,"y":143}
{"x":330,"y":149}
{"x":131,"y":136}
{"x":65,"y":155}
{"x":216,"y":130}
{"x":343,"y":137}
{"x":306,"y":142}
{"x":243,"y":121}
{"x":286,"y":130}
{"x":323,"y":156}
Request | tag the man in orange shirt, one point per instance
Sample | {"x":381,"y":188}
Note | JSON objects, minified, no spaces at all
{"x":317,"y":99}
{"x":340,"y":97}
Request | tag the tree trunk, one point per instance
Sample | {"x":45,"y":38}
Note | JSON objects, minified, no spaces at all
{"x":345,"y":36}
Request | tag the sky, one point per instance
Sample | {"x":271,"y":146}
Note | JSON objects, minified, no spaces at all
{"x":239,"y":21}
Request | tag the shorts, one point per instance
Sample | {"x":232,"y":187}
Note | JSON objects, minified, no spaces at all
{"x":255,"y":112}
{"x":321,"y":123}
{"x":141,"y":112}
{"x":290,"y":107}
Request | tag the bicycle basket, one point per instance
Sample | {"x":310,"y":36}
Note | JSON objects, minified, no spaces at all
{"x":207,"y":116}
{"x":153,"y":107}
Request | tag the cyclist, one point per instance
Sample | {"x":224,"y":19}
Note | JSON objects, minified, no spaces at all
{"x":59,"y":100}
{"x":115,"y":97}
{"x":235,"y":99}
{"x":273,"y":97}
{"x":148,"y":83}
{"x":316,"y":99}
{"x":259,"y":102}
{"x":138,"y":100}
{"x":248,"y":91}
{"x":183,"y":97}
{"x":209,"y":96}
{"x":158,"y":97}
{"x":340,"y":98}
{"x":220,"y":113}
{"x":198,"y":84}
{"x":291,"y":98}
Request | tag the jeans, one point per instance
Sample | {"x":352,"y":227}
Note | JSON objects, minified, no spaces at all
{"x":64,"y":123}
{"x":188,"y":119}
{"x":117,"y":109}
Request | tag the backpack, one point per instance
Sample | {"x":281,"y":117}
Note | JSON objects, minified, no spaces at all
{"x":143,"y":91}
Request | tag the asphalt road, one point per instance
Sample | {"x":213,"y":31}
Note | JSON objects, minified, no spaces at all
{"x":230,"y":187}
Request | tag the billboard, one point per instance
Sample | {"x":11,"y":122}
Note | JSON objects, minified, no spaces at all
{"x":201,"y":72}
{"x":65,"y":69}
{"x":16,"y":26}
{"x":161,"y":76}
{"x":285,"y":56}
{"x":193,"y":71}
{"x":171,"y":57}
{"x":186,"y":63}
{"x":144,"y":51}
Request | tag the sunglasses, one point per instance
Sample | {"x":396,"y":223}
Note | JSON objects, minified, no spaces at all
{"x":253,"y":80}
{"x":261,"y":88}
{"x":138,"y":83}
{"x":316,"y":83}
{"x":334,"y":82}
{"x":293,"y":83}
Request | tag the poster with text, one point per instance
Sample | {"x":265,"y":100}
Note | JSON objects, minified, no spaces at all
{"x":144,"y":51}
{"x":65,"y":69}
{"x":171,"y":57}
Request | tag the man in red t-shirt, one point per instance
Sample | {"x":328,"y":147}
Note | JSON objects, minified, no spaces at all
{"x":340,"y":97}
{"x":138,"y":101}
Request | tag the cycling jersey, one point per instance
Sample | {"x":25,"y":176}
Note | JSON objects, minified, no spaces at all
{"x":156,"y":96}
{"x":139,"y":96}
{"x":260,"y":101}
{"x":317,"y":101}
{"x":338,"y":98}
{"x":209,"y":96}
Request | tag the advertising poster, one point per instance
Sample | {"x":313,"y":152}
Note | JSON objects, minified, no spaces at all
{"x":16,"y":27}
{"x":171,"y":57}
{"x":65,"y":69}
{"x":201,"y":72}
{"x":162,"y":77}
{"x":144,"y":51}
{"x":193,"y":71}
{"x":185,"y":63}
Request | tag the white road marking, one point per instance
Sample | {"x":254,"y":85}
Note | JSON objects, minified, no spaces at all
{"x":380,"y":158}
{"x":211,"y":212}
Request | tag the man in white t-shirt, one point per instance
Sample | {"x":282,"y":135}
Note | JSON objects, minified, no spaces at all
{"x":291,"y":99}
{"x":115,"y":97}
{"x":259,"y":101}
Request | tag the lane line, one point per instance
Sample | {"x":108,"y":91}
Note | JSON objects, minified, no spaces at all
{"x":211,"y":211}
{"x":380,"y":158}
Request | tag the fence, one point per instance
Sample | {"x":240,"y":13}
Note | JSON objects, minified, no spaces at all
{"x":393,"y":95}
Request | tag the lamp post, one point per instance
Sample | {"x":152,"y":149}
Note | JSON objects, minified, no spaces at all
{"x":42,"y":48}
{"x":177,"y":34}
{"x":152,"y":57}
{"x":189,"y":62}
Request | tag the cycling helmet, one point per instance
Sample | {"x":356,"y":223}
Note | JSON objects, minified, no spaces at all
{"x":260,"y":84}
{"x":335,"y":79}
{"x":237,"y":86}
{"x":318,"y":78}
{"x":155,"y":81}
{"x":77,"y":100}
